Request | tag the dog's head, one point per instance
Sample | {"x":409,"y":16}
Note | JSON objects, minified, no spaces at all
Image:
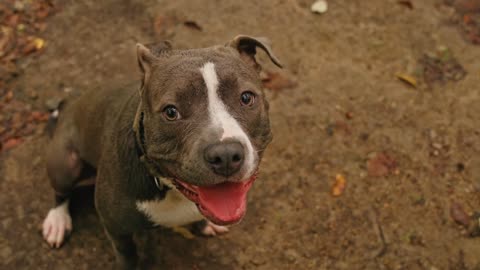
{"x":205,"y":121}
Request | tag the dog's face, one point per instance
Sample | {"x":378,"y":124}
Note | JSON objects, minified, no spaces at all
{"x":205,"y":121}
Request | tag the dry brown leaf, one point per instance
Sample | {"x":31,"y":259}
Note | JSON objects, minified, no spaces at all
{"x":9,"y":96}
{"x":193,"y":25}
{"x":406,"y":3}
{"x":11,"y":143}
{"x":467,"y":6}
{"x":410,"y":80}
{"x":277,"y":81}
{"x":162,"y":23}
{"x":459,"y":215}
{"x":339,"y":186}
{"x":381,"y":165}
{"x":12,"y":20}
{"x":39,"y":116}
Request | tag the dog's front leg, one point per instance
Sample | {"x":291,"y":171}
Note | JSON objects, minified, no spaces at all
{"x":125,"y":250}
{"x":113,"y":221}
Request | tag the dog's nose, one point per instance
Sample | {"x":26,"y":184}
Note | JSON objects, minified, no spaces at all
{"x":225,"y":158}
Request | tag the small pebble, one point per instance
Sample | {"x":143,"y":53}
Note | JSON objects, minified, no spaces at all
{"x":320,"y":6}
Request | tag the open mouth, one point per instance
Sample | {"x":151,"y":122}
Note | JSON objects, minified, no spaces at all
{"x":223,"y":204}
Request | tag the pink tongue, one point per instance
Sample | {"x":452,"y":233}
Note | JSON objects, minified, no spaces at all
{"x":226,"y":202}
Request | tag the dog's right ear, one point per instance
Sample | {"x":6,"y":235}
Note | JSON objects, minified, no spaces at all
{"x":148,"y":54}
{"x":145,"y":60}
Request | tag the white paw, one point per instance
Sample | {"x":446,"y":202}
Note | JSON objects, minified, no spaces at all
{"x":57,"y":225}
{"x":213,"y":229}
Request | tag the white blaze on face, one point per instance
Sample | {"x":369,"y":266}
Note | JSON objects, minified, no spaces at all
{"x":220,"y":118}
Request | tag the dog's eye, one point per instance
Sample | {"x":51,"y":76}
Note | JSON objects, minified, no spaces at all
{"x":247,"y":98}
{"x":171,"y":113}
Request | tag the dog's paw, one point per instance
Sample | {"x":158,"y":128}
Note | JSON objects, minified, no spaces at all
{"x":57,"y":225}
{"x":211,"y":229}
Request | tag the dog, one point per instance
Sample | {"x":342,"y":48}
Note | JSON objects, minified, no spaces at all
{"x":183,"y":148}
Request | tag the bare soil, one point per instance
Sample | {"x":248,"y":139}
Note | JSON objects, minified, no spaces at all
{"x":346,"y":108}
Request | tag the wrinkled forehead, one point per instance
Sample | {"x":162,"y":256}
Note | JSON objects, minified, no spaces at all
{"x":183,"y":68}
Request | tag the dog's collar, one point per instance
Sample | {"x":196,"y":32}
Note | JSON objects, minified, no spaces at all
{"x":139,"y":132}
{"x":158,"y":183}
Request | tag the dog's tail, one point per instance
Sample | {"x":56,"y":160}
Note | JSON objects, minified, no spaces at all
{"x":53,"y":119}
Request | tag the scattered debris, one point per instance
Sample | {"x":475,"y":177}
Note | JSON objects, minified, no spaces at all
{"x":373,"y":216}
{"x":338,"y":125}
{"x":467,"y":6}
{"x":408,"y":79}
{"x":459,"y":215}
{"x":381,"y":164}
{"x":460,"y":167}
{"x":21,"y":24}
{"x":441,"y":67}
{"x":474,"y":228}
{"x":416,"y":239}
{"x":339,"y":186}
{"x":349,"y":115}
{"x":406,"y":3}
{"x":319,"y":7}
{"x":10,"y":143}
{"x":468,"y":19}
{"x":162,"y":24}
{"x":458,"y":263}
{"x":193,"y":25}
{"x":19,"y":28}
{"x":277,"y":80}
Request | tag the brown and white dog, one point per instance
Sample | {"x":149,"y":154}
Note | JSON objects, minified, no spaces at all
{"x":183,"y":148}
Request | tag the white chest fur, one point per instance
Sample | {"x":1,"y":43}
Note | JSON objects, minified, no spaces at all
{"x":173,"y":210}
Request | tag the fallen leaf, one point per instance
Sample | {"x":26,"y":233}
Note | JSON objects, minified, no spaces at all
{"x":467,"y":6}
{"x":29,"y":48}
{"x":39,"y":43}
{"x":192,"y":25}
{"x":339,"y":186}
{"x":6,"y":40}
{"x":42,"y":13}
{"x":467,"y":19}
{"x":162,"y":23}
{"x":406,"y":3}
{"x":410,"y":80}
{"x":11,"y":143}
{"x":277,"y":81}
{"x":459,"y":215}
{"x":9,"y":96}
{"x":12,"y":20}
{"x":39,"y":116}
{"x":474,"y":227}
{"x":319,"y":6}
{"x":381,"y":165}
{"x":441,"y":67}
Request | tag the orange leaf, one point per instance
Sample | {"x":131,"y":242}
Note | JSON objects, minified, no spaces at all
{"x":339,"y":186}
{"x":11,"y":143}
{"x":278,"y":81}
{"x":381,"y":165}
{"x":40,"y":116}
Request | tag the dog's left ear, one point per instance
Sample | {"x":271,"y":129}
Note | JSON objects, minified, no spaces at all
{"x":247,"y":47}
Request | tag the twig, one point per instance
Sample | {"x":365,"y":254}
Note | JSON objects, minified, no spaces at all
{"x":379,"y":231}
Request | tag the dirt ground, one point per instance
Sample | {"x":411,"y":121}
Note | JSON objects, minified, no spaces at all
{"x":347,"y":107}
